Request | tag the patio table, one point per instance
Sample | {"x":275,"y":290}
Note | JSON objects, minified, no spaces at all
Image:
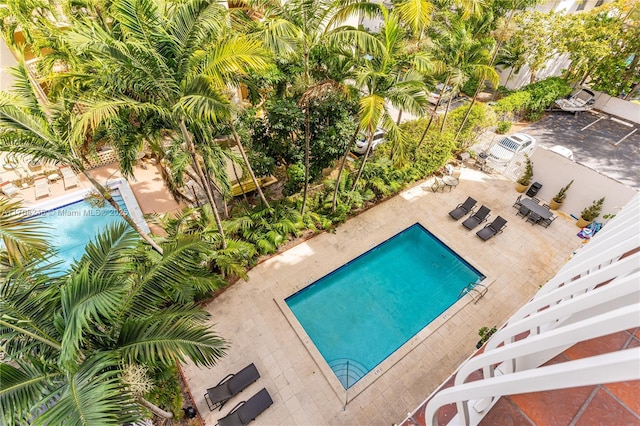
{"x":536,"y":208}
{"x":450,"y":181}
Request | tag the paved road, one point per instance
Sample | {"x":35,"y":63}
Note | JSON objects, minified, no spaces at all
{"x":598,"y":146}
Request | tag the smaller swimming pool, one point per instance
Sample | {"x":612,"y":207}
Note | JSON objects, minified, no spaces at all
{"x":71,"y":222}
{"x":364,"y":311}
{"x":72,"y":226}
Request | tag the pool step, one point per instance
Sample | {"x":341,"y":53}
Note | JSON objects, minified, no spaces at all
{"x":348,"y":371}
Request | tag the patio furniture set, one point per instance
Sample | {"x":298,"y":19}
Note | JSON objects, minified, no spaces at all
{"x":478,"y":217}
{"x":245,"y":411}
{"x":531,"y":210}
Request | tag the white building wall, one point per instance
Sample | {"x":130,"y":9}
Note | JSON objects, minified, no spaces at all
{"x":6,"y":60}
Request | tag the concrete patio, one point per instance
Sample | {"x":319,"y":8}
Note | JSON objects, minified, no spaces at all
{"x":260,"y":329}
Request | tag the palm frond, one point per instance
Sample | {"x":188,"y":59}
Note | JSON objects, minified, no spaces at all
{"x":148,"y":341}
{"x":21,"y":235}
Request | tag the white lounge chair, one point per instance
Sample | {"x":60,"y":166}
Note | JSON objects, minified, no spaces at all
{"x":9,"y":189}
{"x":70,"y":179}
{"x":582,"y":100}
{"x":42,"y":187}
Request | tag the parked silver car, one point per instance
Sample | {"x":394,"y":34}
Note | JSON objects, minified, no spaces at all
{"x":501,"y":153}
{"x":362,"y":141}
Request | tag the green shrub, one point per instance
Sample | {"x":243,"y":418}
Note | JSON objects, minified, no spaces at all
{"x":531,"y":101}
{"x":503,"y":127}
{"x":513,"y":105}
{"x":167,"y":393}
{"x":295,"y":179}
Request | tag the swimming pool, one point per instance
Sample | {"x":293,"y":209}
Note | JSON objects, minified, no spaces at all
{"x":72,"y":226}
{"x":361,"y":313}
{"x":71,"y":222}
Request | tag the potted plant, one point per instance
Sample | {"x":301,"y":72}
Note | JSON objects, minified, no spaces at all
{"x":590,"y":213}
{"x":527,"y":175}
{"x":557,"y":201}
{"x":485,"y":333}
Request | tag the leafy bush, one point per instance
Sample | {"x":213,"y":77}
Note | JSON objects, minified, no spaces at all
{"x":503,"y":127}
{"x":533,"y":99}
{"x":166,"y":392}
{"x":295,"y":179}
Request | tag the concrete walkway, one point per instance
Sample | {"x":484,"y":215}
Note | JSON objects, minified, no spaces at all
{"x":260,"y":329}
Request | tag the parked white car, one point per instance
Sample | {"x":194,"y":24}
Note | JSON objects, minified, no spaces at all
{"x":562,"y":150}
{"x":362,"y":141}
{"x":435,"y":95}
{"x":501,"y":153}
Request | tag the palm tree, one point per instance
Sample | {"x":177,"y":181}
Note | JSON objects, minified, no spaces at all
{"x":68,"y":339}
{"x":42,"y":130}
{"x":174,"y":65}
{"x":388,"y":79}
{"x":22,"y":236}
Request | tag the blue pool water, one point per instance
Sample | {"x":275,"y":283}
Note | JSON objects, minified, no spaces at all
{"x":368,"y":308}
{"x":71,"y":227}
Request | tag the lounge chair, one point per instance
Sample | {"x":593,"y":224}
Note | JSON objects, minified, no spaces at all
{"x":70,"y":179}
{"x":493,"y":228}
{"x":230,"y":386}
{"x":9,"y":189}
{"x":477,"y":218}
{"x":463,"y":209}
{"x":42,"y":187}
{"x":246,"y":411}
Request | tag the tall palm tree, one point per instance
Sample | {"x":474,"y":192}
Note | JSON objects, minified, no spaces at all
{"x":174,"y":64}
{"x":388,"y":79}
{"x":43,"y":131}
{"x":67,"y":339}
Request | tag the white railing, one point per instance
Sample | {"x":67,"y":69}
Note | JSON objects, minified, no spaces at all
{"x":595,"y":294}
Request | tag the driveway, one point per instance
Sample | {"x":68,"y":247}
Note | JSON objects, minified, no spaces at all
{"x":598,"y":141}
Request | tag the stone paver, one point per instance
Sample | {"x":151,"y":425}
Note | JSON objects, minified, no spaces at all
{"x":254,"y":318}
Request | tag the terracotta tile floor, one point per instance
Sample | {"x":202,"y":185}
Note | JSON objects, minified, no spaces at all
{"x":609,"y":404}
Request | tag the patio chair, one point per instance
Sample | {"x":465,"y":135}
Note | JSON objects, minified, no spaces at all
{"x":546,"y":206}
{"x":493,"y":228}
{"x":463,"y":209}
{"x":523,"y":211}
{"x":9,"y":189}
{"x":230,"y":386}
{"x":517,"y":204}
{"x":42,"y":187}
{"x":547,"y":222}
{"x":535,"y":200}
{"x":246,"y":411}
{"x":534,"y":218}
{"x":70,"y":179}
{"x":477,"y":218}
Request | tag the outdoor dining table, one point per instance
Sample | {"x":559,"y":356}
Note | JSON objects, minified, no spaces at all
{"x":536,"y":208}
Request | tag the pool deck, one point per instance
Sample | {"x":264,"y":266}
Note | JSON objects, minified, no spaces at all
{"x":260,"y":329}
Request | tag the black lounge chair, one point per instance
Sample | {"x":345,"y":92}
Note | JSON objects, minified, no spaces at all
{"x":477,"y":218}
{"x":492,"y":228}
{"x":463,"y":209}
{"x":230,"y":386}
{"x":244,"y":413}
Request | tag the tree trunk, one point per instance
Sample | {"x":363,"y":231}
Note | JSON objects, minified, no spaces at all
{"x":633,"y":90}
{"x":446,"y":112}
{"x":207,"y":188}
{"x":246,"y":161}
{"x":106,"y":194}
{"x":435,"y":112}
{"x":307,"y":148}
{"x":342,"y":164}
{"x":399,"y":117}
{"x":364,"y":160}
{"x":155,"y":409}
{"x":466,"y":115}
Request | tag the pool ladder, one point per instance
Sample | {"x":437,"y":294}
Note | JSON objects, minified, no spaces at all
{"x":473,"y":290}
